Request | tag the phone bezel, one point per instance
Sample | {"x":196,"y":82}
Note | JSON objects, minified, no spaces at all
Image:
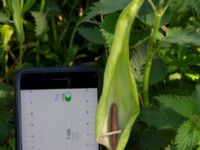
{"x":53,"y":72}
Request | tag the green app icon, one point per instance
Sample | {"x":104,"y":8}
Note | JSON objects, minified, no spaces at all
{"x":68,"y":96}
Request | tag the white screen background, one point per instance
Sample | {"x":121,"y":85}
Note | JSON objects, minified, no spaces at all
{"x":49,"y":122}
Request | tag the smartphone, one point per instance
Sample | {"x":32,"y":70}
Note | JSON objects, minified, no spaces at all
{"x":55,"y":108}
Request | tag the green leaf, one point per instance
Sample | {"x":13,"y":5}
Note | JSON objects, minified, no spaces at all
{"x":138,"y":61}
{"x":183,"y":105}
{"x":53,"y":9}
{"x":6,"y":97}
{"x":12,"y":143}
{"x":182,"y":10}
{"x":108,"y":27}
{"x":28,"y":4}
{"x":105,"y":7}
{"x":155,"y":140}
{"x":4,"y":18}
{"x":162,"y":118}
{"x":5,"y":90}
{"x":181,"y":36}
{"x":119,"y":86}
{"x":147,"y":14}
{"x":91,"y":34}
{"x":188,"y":136}
{"x":158,"y":71}
{"x":18,"y":19}
{"x":197,"y":97}
{"x":41,"y":25}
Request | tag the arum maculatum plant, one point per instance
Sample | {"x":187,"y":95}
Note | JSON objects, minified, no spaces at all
{"x":119,"y":103}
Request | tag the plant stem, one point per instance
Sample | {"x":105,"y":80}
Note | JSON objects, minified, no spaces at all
{"x":54,"y":30}
{"x":150,"y":55}
{"x":42,"y":5}
{"x":21,"y":53}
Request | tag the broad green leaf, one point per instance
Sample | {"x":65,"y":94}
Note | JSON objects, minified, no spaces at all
{"x":105,"y":7}
{"x":28,"y":4}
{"x":158,"y":71}
{"x":147,"y":14}
{"x":155,"y":140}
{"x":188,"y":136}
{"x":41,"y":25}
{"x":162,"y":118}
{"x":197,"y":97}
{"x":119,"y":85}
{"x":53,"y":8}
{"x":183,"y":105}
{"x":108,"y":27}
{"x":18,"y":19}
{"x":6,"y":33}
{"x":91,"y":34}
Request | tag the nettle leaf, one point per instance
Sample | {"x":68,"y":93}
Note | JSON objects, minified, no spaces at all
{"x":41,"y":25}
{"x":91,"y":34}
{"x":182,"y":8}
{"x":155,"y":140}
{"x":162,"y":118}
{"x":183,"y":105}
{"x":105,"y":7}
{"x":181,"y":36}
{"x":4,"y":18}
{"x":138,"y":61}
{"x":188,"y":136}
{"x":108,"y":27}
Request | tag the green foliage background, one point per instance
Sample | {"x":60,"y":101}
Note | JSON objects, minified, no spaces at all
{"x":80,"y":32}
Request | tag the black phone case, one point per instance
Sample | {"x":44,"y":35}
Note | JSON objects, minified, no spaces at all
{"x":18,"y":76}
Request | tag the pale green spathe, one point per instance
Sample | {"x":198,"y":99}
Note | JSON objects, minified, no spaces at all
{"x":119,"y":84}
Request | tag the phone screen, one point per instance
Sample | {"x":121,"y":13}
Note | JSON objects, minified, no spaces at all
{"x":58,"y":116}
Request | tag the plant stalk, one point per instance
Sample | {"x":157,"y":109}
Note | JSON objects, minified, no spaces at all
{"x":150,"y":55}
{"x":21,"y":53}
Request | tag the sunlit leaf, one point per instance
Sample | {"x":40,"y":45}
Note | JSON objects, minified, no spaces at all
{"x":6,"y":32}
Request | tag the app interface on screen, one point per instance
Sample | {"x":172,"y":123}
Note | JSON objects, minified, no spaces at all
{"x":59,"y":119}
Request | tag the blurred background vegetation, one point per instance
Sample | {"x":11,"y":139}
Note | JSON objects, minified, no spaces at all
{"x":80,"y":32}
